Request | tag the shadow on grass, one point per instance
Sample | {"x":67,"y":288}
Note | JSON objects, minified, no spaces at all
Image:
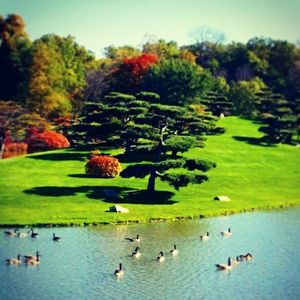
{"x":143,"y":197}
{"x":253,"y":141}
{"x":61,"y":156}
{"x":110,"y":194}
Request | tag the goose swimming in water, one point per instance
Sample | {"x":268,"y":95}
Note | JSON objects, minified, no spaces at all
{"x":11,"y":233}
{"x":23,"y":234}
{"x":34,"y":261}
{"x":174,"y":251}
{"x":161,"y":257}
{"x":204,"y":237}
{"x":136,"y":252}
{"x":119,"y":272}
{"x":32,"y":257}
{"x":235,"y":261}
{"x":34,"y":234}
{"x":14,"y":261}
{"x":136,"y":239}
{"x":56,"y":238}
{"x":226,"y":232}
{"x":248,"y":256}
{"x":225,"y":267}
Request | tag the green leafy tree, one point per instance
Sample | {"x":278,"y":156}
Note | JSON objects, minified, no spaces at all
{"x":58,"y":74}
{"x":15,"y":58}
{"x":177,"y":81}
{"x":243,"y":96}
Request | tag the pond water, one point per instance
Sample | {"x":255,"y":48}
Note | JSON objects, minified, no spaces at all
{"x":82,"y":264}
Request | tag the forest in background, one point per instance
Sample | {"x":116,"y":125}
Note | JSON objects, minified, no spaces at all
{"x":50,"y":83}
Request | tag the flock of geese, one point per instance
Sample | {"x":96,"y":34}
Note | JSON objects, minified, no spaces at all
{"x":160,"y":258}
{"x":32,"y":260}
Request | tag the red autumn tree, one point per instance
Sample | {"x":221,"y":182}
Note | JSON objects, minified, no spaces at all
{"x":103,"y":166}
{"x":47,"y":140}
{"x":130,"y":74}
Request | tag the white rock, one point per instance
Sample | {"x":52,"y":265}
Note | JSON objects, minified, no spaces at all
{"x":222,"y":198}
{"x":118,"y":208}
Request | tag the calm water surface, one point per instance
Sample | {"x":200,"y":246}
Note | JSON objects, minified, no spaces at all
{"x":81,"y":266}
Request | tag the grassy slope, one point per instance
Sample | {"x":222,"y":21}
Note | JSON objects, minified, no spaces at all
{"x":57,"y":192}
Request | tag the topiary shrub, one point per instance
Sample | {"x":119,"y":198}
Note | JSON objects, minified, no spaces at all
{"x":103,"y":166}
{"x":47,"y":140}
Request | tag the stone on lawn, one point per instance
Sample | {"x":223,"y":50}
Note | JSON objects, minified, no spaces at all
{"x":222,"y":198}
{"x":118,"y":208}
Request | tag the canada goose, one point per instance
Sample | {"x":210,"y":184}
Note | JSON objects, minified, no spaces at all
{"x":32,"y":257}
{"x":11,"y":233}
{"x":56,"y":238}
{"x":204,"y":237}
{"x":119,"y":272}
{"x":136,"y":252}
{"x":174,"y":251}
{"x":14,"y":261}
{"x":225,"y":267}
{"x":34,"y":260}
{"x":137,"y":239}
{"x":161,"y":257}
{"x":226,"y":233}
{"x":236,"y":261}
{"x":23,"y":234}
{"x":34,"y":234}
{"x":248,"y":256}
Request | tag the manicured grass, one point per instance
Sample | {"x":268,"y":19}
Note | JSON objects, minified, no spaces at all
{"x":51,"y":187}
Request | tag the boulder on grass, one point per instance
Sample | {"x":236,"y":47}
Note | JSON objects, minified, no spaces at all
{"x":118,"y":209}
{"x":222,"y":198}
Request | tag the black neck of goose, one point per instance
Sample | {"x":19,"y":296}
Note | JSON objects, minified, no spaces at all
{"x":229,"y":230}
{"x":137,"y":237}
{"x":207,"y":233}
{"x":120,"y":267}
{"x":174,"y":247}
{"x":19,"y":256}
{"x":161,"y":253}
{"x":229,"y":261}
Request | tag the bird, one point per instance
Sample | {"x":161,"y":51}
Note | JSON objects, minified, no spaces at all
{"x":31,"y":257}
{"x":225,"y":267}
{"x":160,"y":257}
{"x":23,"y":234}
{"x":56,"y":238}
{"x":14,"y":261}
{"x":204,"y":237}
{"x":226,"y":232}
{"x":33,"y":261}
{"x":174,"y":251}
{"x":236,"y":261}
{"x":136,"y":252}
{"x":136,"y":239}
{"x":34,"y":234}
{"x":11,"y":233}
{"x":119,"y":272}
{"x":248,"y":256}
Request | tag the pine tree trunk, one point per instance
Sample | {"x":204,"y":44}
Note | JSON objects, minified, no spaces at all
{"x":151,"y":182}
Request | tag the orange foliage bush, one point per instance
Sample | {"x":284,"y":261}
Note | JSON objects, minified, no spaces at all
{"x":47,"y":140}
{"x":14,"y":149}
{"x":103,"y":166}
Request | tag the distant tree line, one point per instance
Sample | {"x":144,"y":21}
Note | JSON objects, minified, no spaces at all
{"x":53,"y":79}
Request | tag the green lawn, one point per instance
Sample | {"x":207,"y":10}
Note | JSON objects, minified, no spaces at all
{"x":51,"y":188}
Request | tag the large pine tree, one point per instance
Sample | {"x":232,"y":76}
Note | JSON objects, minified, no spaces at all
{"x":144,"y":127}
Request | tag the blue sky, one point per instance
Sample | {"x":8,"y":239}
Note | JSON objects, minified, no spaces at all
{"x":99,"y":23}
